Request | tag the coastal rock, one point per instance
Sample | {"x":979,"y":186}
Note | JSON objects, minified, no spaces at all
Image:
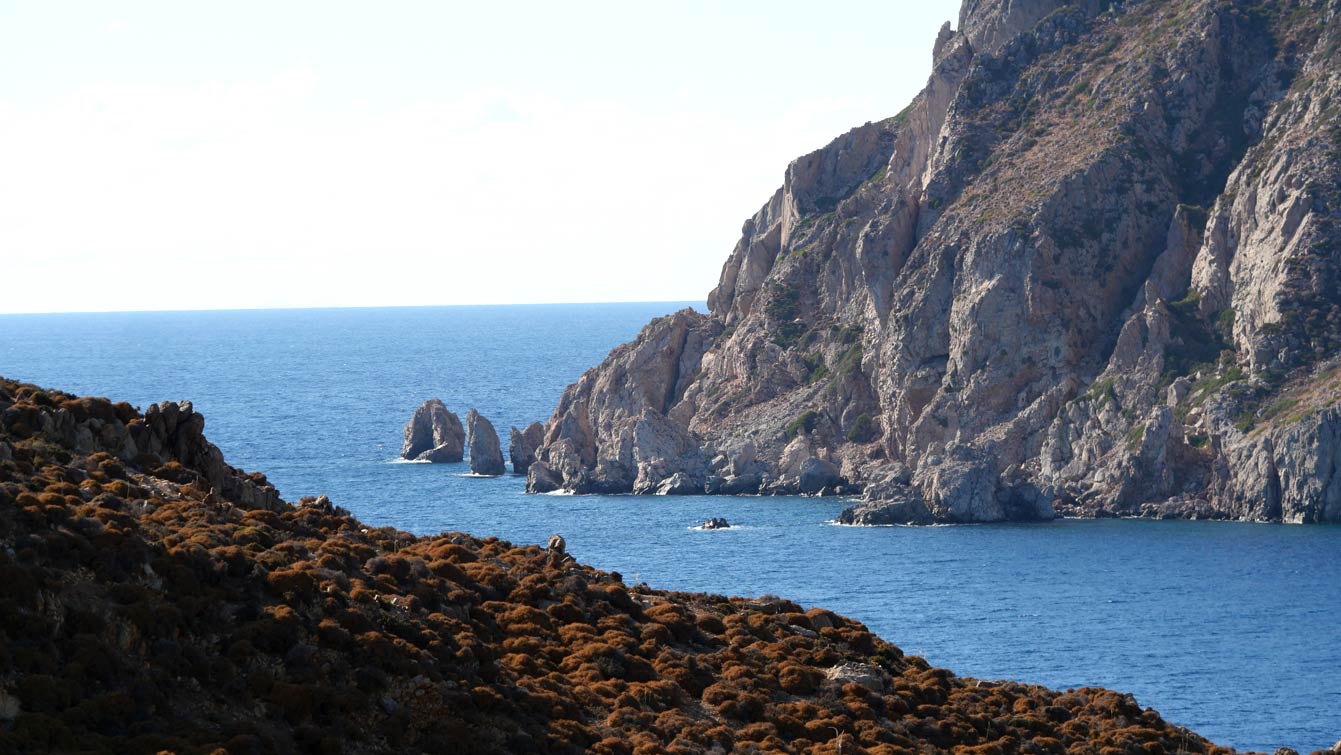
{"x":817,"y":474}
{"x":611,"y":432}
{"x":679,"y":483}
{"x":894,"y":506}
{"x":741,"y":484}
{"x":486,"y":457}
{"x":522,"y":445}
{"x":1075,"y":274}
{"x":541,"y":479}
{"x":434,"y":434}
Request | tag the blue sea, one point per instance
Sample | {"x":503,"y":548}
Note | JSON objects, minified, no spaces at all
{"x":1231,"y":629}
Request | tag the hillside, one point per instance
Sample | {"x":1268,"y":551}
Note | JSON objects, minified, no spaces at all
{"x":157,"y":599}
{"x":1091,"y":269}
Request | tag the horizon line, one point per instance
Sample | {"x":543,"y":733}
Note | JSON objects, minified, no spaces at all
{"x":350,"y":307}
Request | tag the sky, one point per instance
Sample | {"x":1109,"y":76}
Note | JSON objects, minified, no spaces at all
{"x":168,"y":155}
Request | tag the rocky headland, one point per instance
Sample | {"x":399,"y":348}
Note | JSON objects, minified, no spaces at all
{"x":157,"y":599}
{"x":1092,"y":269}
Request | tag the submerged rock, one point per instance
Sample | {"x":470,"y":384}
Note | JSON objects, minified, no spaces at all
{"x":434,"y":434}
{"x":486,"y":456}
{"x":541,"y":479}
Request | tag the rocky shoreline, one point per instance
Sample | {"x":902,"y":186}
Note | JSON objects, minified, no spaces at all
{"x":1093,"y":268}
{"x":159,"y":600}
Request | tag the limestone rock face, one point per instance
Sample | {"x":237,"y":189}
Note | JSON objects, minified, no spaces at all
{"x":1094,"y":268}
{"x":434,"y":434}
{"x":486,"y":456}
{"x":522,"y":445}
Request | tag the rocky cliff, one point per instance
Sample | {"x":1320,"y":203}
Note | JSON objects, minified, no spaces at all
{"x":149,"y":608}
{"x":1092,"y":268}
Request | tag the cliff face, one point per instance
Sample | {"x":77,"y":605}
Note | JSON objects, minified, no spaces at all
{"x":1091,"y":268}
{"x":146,"y":610}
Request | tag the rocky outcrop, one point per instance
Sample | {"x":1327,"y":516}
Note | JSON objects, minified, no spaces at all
{"x":434,"y":434}
{"x":167,"y":440}
{"x":486,"y":455}
{"x":611,"y":432}
{"x":522,"y":445}
{"x":1104,"y":239}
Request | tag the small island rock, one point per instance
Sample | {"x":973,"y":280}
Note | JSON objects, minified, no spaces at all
{"x":522,"y":445}
{"x":434,"y":434}
{"x":486,"y":456}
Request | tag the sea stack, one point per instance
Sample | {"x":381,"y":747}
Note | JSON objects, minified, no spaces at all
{"x":522,"y":445}
{"x":486,"y":456}
{"x":433,"y":434}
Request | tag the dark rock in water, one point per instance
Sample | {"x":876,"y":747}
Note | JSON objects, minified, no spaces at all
{"x":818,"y":474}
{"x":522,"y":445}
{"x":541,"y":479}
{"x":900,"y":507}
{"x":742,"y":484}
{"x":679,"y":484}
{"x":486,"y":455}
{"x":715,"y":523}
{"x":434,"y":434}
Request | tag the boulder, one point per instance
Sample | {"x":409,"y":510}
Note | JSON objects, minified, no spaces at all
{"x":742,"y":484}
{"x":679,"y":484}
{"x":434,"y":434}
{"x":541,"y":479}
{"x":868,"y":676}
{"x":817,"y":474}
{"x":486,"y":455}
{"x":522,"y":445}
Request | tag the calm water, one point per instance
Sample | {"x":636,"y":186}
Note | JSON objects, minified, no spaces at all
{"x":1231,"y":629}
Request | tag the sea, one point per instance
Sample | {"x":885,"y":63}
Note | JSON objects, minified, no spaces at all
{"x":1231,"y":629}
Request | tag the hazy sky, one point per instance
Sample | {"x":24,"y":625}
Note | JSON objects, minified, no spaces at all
{"x":227,"y":155}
